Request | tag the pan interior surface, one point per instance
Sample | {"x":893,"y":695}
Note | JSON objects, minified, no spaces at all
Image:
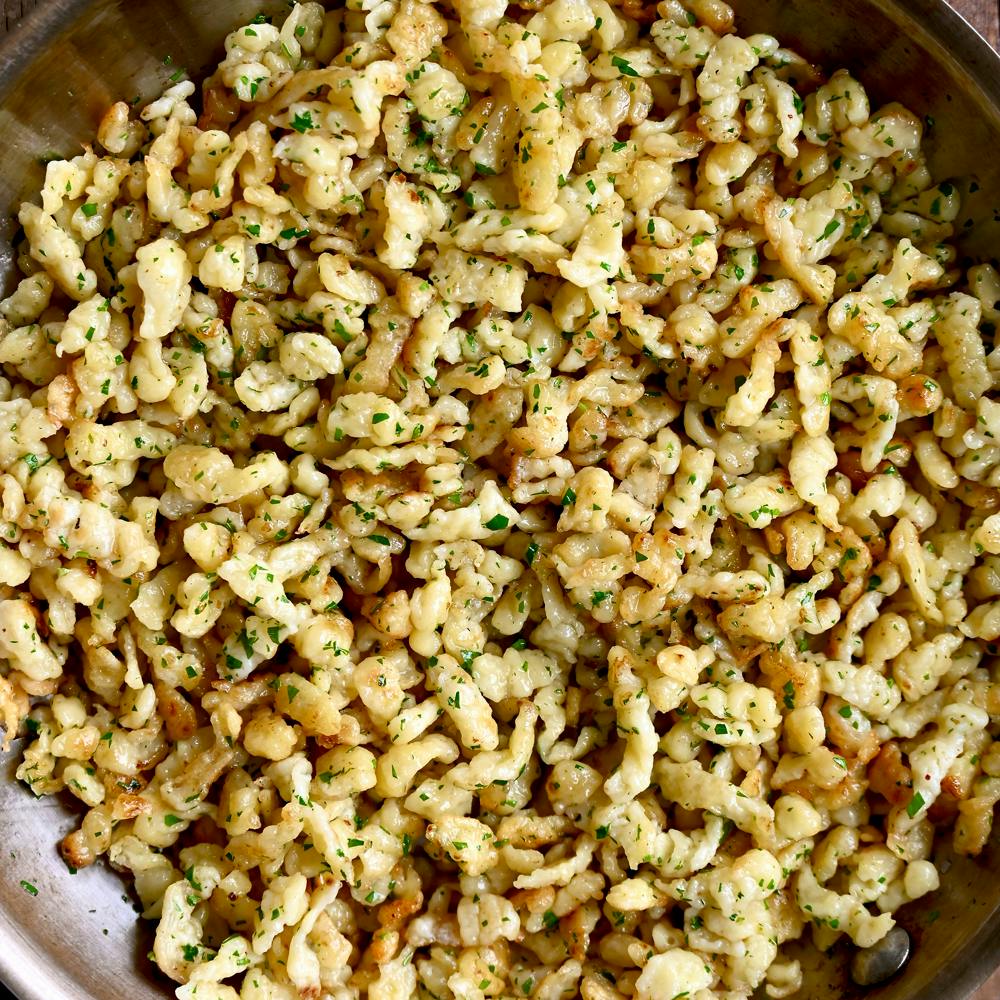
{"x":72,"y":936}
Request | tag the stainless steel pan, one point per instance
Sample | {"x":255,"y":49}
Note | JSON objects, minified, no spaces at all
{"x":70,"y":937}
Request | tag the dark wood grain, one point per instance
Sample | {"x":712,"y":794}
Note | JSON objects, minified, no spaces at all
{"x":15,"y":9}
{"x":984,"y":14}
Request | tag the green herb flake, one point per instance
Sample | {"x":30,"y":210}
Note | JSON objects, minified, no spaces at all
{"x":831,"y":227}
{"x":623,"y":66}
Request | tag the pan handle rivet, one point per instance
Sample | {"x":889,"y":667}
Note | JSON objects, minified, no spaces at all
{"x":874,"y":965}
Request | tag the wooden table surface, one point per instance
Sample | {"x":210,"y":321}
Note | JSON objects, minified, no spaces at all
{"x":984,"y":14}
